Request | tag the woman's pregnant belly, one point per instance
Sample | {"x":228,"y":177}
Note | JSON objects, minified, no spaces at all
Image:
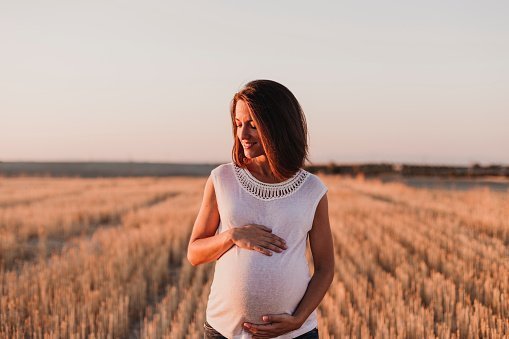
{"x":251,"y":284}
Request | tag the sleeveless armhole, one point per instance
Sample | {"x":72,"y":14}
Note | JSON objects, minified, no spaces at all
{"x":321,"y":190}
{"x":213,"y":175}
{"x":215,"y":183}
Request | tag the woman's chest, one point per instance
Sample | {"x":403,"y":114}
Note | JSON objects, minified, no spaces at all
{"x":288,"y":216}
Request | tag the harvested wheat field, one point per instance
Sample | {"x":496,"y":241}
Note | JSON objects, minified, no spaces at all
{"x":106,"y":258}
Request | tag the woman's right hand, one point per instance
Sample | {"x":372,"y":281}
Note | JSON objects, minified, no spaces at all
{"x":258,"y":238}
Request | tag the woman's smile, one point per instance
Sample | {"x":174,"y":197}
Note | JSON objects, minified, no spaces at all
{"x":247,"y":131}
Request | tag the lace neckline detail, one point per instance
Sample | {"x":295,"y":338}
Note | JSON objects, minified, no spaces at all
{"x":267,"y":191}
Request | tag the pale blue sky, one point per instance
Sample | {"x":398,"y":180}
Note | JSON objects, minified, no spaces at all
{"x":398,"y":81}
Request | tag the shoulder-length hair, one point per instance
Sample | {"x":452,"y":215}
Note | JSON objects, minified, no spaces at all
{"x":281,"y":126}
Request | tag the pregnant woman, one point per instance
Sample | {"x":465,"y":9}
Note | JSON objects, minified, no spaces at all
{"x":256,"y":214}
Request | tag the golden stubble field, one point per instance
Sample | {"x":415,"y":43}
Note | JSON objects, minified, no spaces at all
{"x":106,"y":258}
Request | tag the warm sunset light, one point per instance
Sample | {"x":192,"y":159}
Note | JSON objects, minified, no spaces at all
{"x":247,"y":170}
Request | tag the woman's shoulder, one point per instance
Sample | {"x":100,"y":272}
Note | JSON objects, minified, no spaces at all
{"x":222,"y":166}
{"x":315,"y":180}
{"x":221,"y":169}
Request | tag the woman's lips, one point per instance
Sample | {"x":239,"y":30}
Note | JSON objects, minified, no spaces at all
{"x":248,"y":145}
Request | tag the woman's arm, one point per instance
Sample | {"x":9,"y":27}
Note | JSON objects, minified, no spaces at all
{"x":322,"y":248}
{"x":205,"y":245}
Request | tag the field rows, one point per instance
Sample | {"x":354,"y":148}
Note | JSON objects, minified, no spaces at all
{"x":410,"y":263}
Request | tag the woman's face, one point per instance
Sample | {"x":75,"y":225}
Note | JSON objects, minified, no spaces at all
{"x":247,"y":132}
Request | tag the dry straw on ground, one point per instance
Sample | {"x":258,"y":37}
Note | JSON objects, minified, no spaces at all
{"x":106,"y":258}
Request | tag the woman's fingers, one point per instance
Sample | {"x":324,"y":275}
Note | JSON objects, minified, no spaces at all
{"x":271,"y":246}
{"x":281,"y":243}
{"x":264,"y":241}
{"x":274,"y":237}
{"x":265,"y":228}
{"x":262,"y":250}
{"x":277,"y":241}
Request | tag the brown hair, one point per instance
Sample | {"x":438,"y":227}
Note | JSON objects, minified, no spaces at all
{"x":281,"y":126}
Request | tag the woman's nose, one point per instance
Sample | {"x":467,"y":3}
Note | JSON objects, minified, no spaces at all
{"x":244,"y":134}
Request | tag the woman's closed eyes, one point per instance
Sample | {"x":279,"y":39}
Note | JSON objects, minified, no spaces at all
{"x":251,"y":124}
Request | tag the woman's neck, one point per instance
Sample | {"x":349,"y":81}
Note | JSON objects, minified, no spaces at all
{"x":260,"y":166}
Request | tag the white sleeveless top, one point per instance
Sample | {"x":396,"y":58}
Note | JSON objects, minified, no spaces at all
{"x":248,"y":284}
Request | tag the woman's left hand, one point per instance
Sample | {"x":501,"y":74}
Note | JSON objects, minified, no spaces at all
{"x":276,"y":324}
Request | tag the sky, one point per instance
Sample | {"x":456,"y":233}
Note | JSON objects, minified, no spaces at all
{"x":422,"y":82}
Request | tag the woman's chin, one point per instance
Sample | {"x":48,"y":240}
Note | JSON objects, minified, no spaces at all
{"x":251,"y":156}
{"x":252,"y":153}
